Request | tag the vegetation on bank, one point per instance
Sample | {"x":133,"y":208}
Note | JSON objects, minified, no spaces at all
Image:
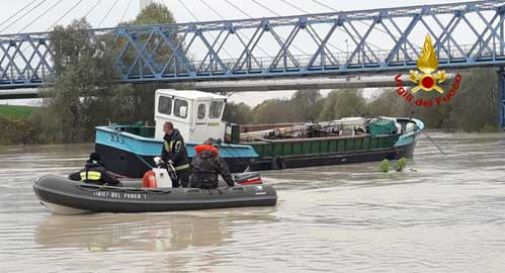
{"x":473,"y":109}
{"x":83,"y":97}
{"x":18,"y":131}
{"x":16,"y":124}
{"x":16,"y":112}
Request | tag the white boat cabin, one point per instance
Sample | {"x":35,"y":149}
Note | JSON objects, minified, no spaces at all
{"x":197,"y":115}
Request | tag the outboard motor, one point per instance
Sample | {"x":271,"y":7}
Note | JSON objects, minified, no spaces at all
{"x":158,"y":177}
{"x":249,"y":178}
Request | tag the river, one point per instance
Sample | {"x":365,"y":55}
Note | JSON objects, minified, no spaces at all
{"x":444,"y":213}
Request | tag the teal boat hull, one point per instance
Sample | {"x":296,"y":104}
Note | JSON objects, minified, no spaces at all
{"x":132,"y":155}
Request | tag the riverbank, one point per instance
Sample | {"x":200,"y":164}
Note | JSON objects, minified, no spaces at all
{"x":21,"y":128}
{"x":16,"y":111}
{"x":17,"y":125}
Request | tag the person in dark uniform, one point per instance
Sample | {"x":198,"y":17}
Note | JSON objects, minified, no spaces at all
{"x":174,"y":152}
{"x":206,"y":166}
{"x":95,"y":173}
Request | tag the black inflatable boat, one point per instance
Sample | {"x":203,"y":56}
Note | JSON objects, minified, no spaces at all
{"x":64,"y":196}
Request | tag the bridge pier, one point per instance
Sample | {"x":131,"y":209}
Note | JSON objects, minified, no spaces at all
{"x":501,"y":97}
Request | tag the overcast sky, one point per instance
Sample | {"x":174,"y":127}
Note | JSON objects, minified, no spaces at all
{"x":127,"y":9}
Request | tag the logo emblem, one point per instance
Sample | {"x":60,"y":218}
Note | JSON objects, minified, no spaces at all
{"x":427,"y":79}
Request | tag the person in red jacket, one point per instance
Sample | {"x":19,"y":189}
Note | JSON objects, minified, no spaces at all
{"x":206,"y":166}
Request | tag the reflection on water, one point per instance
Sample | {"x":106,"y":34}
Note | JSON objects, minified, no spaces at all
{"x":443,"y":214}
{"x":145,"y":232}
{"x":152,"y":233}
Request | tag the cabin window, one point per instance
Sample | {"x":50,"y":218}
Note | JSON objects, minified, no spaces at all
{"x":165,"y":105}
{"x":181,"y":108}
{"x":216,"y":107}
{"x":201,"y":111}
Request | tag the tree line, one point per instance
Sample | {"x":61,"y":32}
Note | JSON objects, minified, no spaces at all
{"x":473,"y":109}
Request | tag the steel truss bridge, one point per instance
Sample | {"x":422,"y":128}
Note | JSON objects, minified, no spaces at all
{"x":465,"y":35}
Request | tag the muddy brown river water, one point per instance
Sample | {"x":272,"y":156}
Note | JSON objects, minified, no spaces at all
{"x":443,"y":214}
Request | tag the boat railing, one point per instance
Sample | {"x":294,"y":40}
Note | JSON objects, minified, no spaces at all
{"x":135,"y":129}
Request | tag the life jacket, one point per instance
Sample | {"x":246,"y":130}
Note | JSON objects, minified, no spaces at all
{"x":91,"y":176}
{"x":174,"y":144}
{"x":92,"y":173}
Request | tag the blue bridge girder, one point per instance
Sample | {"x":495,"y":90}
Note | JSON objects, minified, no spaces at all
{"x":376,"y":41}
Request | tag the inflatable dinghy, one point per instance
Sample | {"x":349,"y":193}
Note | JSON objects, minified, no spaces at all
{"x":64,"y":196}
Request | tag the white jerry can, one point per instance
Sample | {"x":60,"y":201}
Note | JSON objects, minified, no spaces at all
{"x":162,"y":178}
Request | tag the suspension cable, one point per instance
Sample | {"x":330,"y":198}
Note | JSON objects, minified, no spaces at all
{"x":196,"y":19}
{"x":222,"y":17}
{"x":188,"y":10}
{"x":22,"y":16}
{"x":324,"y":5}
{"x":363,"y":23}
{"x":65,"y":14}
{"x":248,"y":15}
{"x":306,"y":12}
{"x":126,"y":10}
{"x":294,"y":6}
{"x":213,"y":10}
{"x":17,"y":12}
{"x":92,"y":8}
{"x":108,"y":13}
{"x":265,"y":7}
{"x":237,"y":8}
{"x":40,"y":16}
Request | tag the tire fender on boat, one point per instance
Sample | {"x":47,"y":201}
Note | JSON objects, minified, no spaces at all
{"x":278,"y":163}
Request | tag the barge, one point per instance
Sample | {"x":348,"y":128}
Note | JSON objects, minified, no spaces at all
{"x":129,"y":150}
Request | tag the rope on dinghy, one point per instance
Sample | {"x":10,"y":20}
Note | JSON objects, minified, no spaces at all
{"x":118,"y":134}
